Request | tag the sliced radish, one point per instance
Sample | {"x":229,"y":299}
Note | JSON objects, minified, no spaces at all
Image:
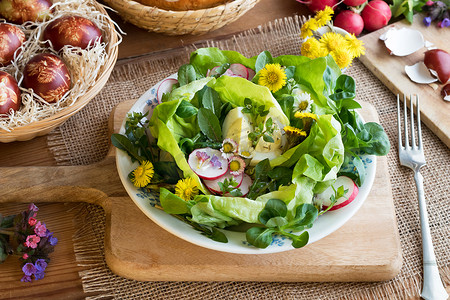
{"x":245,"y":185}
{"x":239,"y":70}
{"x":165,"y":87}
{"x":208,"y":163}
{"x":251,"y":73}
{"x":213,"y":185}
{"x":351,"y":188}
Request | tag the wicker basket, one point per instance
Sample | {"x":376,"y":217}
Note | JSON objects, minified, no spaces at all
{"x":43,"y":127}
{"x":193,"y":22}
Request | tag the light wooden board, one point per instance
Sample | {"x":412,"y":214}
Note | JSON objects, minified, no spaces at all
{"x":367,"y":248}
{"x":390,"y":70}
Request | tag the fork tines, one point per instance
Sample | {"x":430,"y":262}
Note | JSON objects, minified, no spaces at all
{"x":405,"y":118}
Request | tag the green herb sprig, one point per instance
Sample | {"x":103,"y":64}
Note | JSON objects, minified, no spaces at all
{"x":274,"y":220}
{"x":230,"y":186}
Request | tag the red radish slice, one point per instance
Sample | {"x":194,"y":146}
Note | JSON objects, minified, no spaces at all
{"x":239,"y":70}
{"x":165,"y":87}
{"x":349,"y":196}
{"x":245,"y":185}
{"x":213,"y":185}
{"x":208,"y":163}
{"x":251,"y":74}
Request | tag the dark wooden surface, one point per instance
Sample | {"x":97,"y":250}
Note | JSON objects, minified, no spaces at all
{"x":60,"y":216}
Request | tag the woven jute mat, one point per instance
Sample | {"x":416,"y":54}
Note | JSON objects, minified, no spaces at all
{"x":84,"y":140}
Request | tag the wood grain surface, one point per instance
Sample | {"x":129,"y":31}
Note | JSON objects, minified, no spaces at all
{"x":367,"y":248}
{"x":389,"y":69}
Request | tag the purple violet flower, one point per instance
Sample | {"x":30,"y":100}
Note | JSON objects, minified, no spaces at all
{"x":33,"y":207}
{"x":29,"y":269}
{"x":215,"y":162}
{"x":427,"y":21}
{"x":445,"y":23}
{"x":52,"y":240}
{"x":202,"y":156}
{"x":26,"y":278}
{"x":40,"y":265}
{"x":39,"y":275}
{"x":40,"y":229}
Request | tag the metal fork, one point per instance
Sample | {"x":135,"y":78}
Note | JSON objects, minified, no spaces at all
{"x":411,"y":156}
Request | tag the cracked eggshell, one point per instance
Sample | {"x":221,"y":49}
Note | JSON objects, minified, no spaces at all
{"x":404,"y":41}
{"x":419,"y":73}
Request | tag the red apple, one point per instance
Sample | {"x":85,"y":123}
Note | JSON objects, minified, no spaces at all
{"x":9,"y":94}
{"x":48,"y":76}
{"x":72,"y":30}
{"x":438,"y":62}
{"x":349,"y":185}
{"x":11,"y":38}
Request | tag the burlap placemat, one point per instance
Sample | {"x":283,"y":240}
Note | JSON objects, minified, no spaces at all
{"x":84,"y":140}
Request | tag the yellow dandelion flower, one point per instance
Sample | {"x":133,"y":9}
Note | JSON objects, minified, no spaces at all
{"x":312,"y":48}
{"x":308,"y":27}
{"x":272,"y":76}
{"x":332,"y":41}
{"x":290,"y":130}
{"x":355,"y":46}
{"x":302,"y":115}
{"x":342,"y":57}
{"x":324,"y":16}
{"x":143,"y":174}
{"x":186,"y":188}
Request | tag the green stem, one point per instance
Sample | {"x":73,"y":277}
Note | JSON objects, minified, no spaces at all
{"x":7,"y":232}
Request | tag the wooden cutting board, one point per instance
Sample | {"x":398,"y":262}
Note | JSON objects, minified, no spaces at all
{"x":435,"y":112}
{"x":366,"y":248}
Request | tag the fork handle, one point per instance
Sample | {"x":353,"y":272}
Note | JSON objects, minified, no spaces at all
{"x":433,"y":288}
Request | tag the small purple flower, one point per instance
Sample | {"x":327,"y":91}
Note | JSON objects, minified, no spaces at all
{"x":427,"y":21}
{"x":202,"y":156}
{"x":429,"y":3}
{"x":29,"y":269}
{"x":40,"y":229}
{"x":40,"y":265}
{"x":32,"y":207}
{"x":445,"y":23}
{"x":39,"y":275}
{"x":26,"y":278}
{"x":215,"y":162}
{"x":53,"y":241}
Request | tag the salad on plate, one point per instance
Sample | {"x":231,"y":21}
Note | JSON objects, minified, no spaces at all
{"x":264,"y":146}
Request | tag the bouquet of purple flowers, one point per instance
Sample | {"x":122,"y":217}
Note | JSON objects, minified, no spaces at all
{"x":28,"y":238}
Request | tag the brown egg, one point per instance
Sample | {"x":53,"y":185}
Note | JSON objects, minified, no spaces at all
{"x":48,"y":76}
{"x":20,"y":11}
{"x":72,"y":30}
{"x":9,"y":94}
{"x":438,"y":62}
{"x":11,"y":38}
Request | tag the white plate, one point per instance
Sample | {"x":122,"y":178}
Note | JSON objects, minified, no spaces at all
{"x":324,"y":225}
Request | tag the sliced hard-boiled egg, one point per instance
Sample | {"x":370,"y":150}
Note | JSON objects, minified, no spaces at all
{"x":419,"y":73}
{"x":270,"y":150}
{"x":237,"y":126}
{"x":404,"y":41}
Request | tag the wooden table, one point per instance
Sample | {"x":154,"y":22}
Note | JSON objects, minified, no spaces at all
{"x":62,"y":280}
